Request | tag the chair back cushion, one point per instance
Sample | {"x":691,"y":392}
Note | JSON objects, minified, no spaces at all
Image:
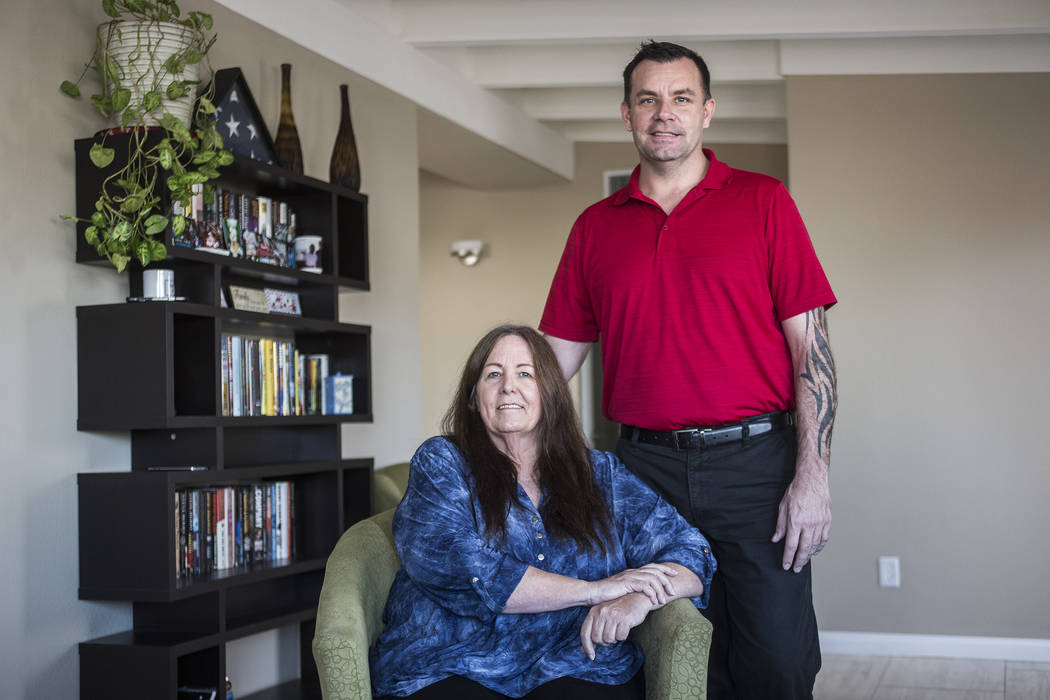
{"x":349,"y":613}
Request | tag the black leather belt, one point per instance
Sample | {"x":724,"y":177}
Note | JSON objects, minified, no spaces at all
{"x":695,"y":438}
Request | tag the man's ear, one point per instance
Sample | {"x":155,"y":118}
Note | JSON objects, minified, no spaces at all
{"x":625,"y":114}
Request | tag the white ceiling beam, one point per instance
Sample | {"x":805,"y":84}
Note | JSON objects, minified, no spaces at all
{"x":330,"y":29}
{"x":758,"y":101}
{"x":599,"y":64}
{"x":476,"y":22}
{"x":970,"y":54}
{"x":724,"y":131}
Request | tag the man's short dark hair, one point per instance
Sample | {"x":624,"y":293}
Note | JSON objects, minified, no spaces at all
{"x":665,"y":52}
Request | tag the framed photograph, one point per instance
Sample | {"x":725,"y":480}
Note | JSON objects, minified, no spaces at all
{"x":279,"y":301}
{"x":249,"y":299}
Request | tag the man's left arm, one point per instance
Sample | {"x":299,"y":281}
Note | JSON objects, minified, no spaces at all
{"x":804,"y":518}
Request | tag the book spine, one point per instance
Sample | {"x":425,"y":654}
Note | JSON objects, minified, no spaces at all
{"x":220,"y":529}
{"x":177,"y":529}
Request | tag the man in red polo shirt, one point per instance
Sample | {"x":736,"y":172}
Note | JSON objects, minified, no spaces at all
{"x":704,"y":288}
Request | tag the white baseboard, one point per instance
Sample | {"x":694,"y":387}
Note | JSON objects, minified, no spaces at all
{"x":940,"y":645}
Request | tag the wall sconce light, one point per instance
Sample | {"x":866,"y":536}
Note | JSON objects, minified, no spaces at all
{"x":468,"y":252}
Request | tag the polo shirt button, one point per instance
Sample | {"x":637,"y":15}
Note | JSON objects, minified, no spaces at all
{"x":666,"y":227}
{"x":540,"y":557}
{"x":475,"y":579}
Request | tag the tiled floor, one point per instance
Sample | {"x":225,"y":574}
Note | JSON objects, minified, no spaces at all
{"x":907,"y":678}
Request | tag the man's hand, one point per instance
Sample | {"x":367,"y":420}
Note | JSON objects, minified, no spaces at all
{"x":804,"y":519}
{"x":610,"y":622}
{"x":651,"y":580}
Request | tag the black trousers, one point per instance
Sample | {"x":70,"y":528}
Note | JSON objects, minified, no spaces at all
{"x":765,"y":642}
{"x":460,"y":688}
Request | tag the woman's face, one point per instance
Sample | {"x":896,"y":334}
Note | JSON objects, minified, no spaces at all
{"x":508,"y":396}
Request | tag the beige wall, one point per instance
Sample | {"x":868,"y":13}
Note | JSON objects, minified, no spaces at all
{"x":525,"y":231}
{"x":41,"y":620}
{"x":927,"y":199}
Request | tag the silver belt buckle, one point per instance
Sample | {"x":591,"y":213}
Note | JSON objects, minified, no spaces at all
{"x":700,"y":432}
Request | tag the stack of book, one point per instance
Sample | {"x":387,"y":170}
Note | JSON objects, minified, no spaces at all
{"x":270,"y":377}
{"x":230,"y":223}
{"x":225,"y":527}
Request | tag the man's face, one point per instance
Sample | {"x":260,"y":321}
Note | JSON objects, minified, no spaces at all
{"x":667,"y":112}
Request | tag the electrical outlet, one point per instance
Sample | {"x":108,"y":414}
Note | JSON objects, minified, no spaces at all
{"x":890,"y":572}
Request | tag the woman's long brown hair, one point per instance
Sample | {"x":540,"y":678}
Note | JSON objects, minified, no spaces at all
{"x":574,"y":508}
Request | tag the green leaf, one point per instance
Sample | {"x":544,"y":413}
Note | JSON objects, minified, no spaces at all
{"x":112,"y":70}
{"x":177,"y":89}
{"x":206,"y":105}
{"x":119,"y":261}
{"x":103,"y":104}
{"x":155,"y":224}
{"x":130,"y":116}
{"x":101,"y":156}
{"x":122,"y":231}
{"x":98,"y":219}
{"x":157,"y":251}
{"x":91,"y":235}
{"x":110,"y":8}
{"x":121,"y":99}
{"x":178,"y":224}
{"x":166,"y":157}
{"x":142,"y":252}
{"x":204,"y":157}
{"x":193,"y":56}
{"x":175,"y":65}
{"x":70,"y":88}
{"x":206,"y":20}
{"x":225,"y":158}
{"x":151,"y":100}
{"x":132,"y":204}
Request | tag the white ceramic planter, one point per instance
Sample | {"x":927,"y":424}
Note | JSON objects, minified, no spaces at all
{"x":140,"y":50}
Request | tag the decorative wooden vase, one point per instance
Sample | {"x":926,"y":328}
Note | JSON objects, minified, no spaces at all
{"x":289,"y":151}
{"x":345,"y":169}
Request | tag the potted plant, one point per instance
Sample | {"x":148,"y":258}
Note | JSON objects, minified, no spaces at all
{"x":148,"y":59}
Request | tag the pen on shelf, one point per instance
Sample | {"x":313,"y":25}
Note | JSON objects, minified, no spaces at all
{"x":186,"y":468}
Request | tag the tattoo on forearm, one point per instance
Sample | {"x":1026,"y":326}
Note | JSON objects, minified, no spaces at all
{"x":818,"y":377}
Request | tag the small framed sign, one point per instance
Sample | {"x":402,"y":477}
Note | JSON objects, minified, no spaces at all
{"x":249,"y":299}
{"x":281,"y":302}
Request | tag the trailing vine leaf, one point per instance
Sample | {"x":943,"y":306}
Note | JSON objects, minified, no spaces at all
{"x":177,"y":89}
{"x":178,"y":224}
{"x":121,"y":98}
{"x":70,"y":88}
{"x":100,"y":155}
{"x":155,"y":224}
{"x":119,"y":261}
{"x":151,"y":100}
{"x":142,"y":252}
{"x":110,"y":8}
{"x":91,"y":235}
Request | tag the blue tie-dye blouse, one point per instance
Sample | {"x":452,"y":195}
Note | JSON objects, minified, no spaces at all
{"x":443,"y":616}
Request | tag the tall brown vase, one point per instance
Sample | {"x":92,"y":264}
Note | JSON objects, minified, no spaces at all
{"x":289,"y":151}
{"x":345,"y":169}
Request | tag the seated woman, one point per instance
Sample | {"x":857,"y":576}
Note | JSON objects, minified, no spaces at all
{"x":526,"y":558}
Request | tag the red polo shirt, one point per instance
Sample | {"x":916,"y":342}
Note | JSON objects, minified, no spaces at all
{"x":688,"y":305}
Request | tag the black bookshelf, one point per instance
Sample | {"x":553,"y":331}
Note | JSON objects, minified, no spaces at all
{"x":153,"y":369}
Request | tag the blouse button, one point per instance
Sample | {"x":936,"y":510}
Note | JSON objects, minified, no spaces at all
{"x":539,"y":535}
{"x":535,"y":519}
{"x":475,"y":579}
{"x":706,"y":550}
{"x":540,"y":557}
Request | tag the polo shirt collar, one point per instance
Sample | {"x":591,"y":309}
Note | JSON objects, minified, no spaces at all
{"x":718,"y":175}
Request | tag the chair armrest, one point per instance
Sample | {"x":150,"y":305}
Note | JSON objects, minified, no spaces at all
{"x":676,"y":640}
{"x":350,"y":609}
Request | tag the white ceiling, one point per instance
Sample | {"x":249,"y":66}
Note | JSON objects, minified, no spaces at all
{"x":521,"y":80}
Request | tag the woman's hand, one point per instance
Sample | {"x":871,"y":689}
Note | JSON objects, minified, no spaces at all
{"x":652,"y":580}
{"x":610,"y":622}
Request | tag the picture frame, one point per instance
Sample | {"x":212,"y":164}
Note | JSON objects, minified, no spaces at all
{"x":249,"y":299}
{"x":284,"y":302}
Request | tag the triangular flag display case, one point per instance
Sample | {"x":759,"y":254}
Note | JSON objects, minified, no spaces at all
{"x":238,"y":118}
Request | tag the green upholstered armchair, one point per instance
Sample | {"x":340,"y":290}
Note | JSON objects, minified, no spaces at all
{"x":390,"y":485}
{"x":360,"y":570}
